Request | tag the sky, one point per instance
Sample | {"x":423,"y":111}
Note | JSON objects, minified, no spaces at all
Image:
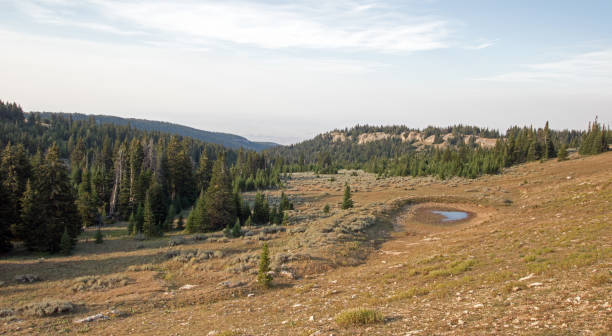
{"x":285,"y":71}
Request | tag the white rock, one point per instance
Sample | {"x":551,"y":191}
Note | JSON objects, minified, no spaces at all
{"x":479,"y":305}
{"x":311,"y":319}
{"x":92,"y":318}
{"x":535,"y":284}
{"x":527,"y":277}
{"x":187,"y":287}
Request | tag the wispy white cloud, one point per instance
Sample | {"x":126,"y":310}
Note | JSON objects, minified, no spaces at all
{"x":592,"y":67}
{"x":482,"y":45}
{"x":307,"y":24}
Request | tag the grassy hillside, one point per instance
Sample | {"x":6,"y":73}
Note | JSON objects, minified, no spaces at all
{"x":532,"y":258}
{"x":229,"y":140}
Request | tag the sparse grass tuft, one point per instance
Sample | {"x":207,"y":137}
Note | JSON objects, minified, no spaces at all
{"x":600,"y":279}
{"x":455,"y":268}
{"x":359,"y":316}
{"x":411,"y":292}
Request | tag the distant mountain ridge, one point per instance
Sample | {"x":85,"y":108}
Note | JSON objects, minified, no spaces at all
{"x":226,"y":139}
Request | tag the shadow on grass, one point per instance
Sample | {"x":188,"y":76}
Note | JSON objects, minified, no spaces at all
{"x":70,"y":268}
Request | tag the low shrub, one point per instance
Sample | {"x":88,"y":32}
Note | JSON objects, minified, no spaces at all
{"x":359,"y":316}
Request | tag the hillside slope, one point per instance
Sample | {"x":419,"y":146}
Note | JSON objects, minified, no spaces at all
{"x":229,"y":140}
{"x":363,"y":142}
{"x":533,"y":258}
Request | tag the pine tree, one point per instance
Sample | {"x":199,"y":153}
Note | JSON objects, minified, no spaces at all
{"x":263,"y":275}
{"x":197,"y":220}
{"x":6,"y":218}
{"x":204,"y":172}
{"x":132,"y":224}
{"x":238,"y":205}
{"x":99,"y":239}
{"x":245,"y":211}
{"x":237,"y":229}
{"x":85,"y":202}
{"x":347,"y":201}
{"x":66,"y":243}
{"x":549,"y":147}
{"x":273,"y":215}
{"x":326,"y":209}
{"x":138,"y":228}
{"x":248,"y":222}
{"x":158,"y":206}
{"x":15,"y":170}
{"x":170,"y":217}
{"x":51,"y":209}
{"x":179,"y":222}
{"x":227,"y":231}
{"x":285,"y":203}
{"x":261,"y":209}
{"x":562,"y":155}
{"x":150,"y":228}
{"x":219,"y":201}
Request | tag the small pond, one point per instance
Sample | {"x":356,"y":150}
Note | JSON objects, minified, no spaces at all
{"x":450,"y":216}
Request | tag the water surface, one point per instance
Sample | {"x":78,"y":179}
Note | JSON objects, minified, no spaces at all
{"x":451,"y":215}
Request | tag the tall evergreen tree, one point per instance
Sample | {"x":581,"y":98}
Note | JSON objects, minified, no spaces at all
{"x":261,"y":209}
{"x":204,"y":172}
{"x":263,"y":275}
{"x":150,"y":226}
{"x":347,"y":201}
{"x":219,"y":200}
{"x":48,"y":208}
{"x":86,"y":202}
{"x":6,"y":218}
{"x":15,"y":170}
{"x":198,"y":220}
{"x":562,"y":155}
{"x":549,"y":147}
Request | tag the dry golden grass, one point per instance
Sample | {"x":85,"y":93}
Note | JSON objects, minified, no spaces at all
{"x":534,"y":259}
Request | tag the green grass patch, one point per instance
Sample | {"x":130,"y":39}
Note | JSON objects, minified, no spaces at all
{"x":359,"y":316}
{"x":455,"y":268}
{"x":410,"y":293}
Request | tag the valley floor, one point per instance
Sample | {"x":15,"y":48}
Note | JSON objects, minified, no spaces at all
{"x":535,"y":258}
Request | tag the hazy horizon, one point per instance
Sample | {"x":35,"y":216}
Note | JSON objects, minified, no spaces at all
{"x":271,"y":71}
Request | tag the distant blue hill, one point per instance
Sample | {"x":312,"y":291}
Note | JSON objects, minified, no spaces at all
{"x":228,"y":140}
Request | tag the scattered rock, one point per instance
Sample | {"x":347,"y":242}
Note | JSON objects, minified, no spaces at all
{"x":47,"y":308}
{"x":479,"y":305}
{"x":6,"y":312}
{"x":199,"y":237}
{"x":176,"y":241}
{"x":187,"y":287}
{"x":97,"y":283}
{"x":527,"y":277}
{"x":27,"y":278}
{"x":535,"y":284}
{"x":287,"y":274}
{"x":92,"y":318}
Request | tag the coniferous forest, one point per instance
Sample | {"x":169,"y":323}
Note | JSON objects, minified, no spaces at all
{"x":59,"y":175}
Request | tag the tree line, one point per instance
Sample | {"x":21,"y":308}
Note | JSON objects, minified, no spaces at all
{"x":59,"y":175}
{"x":460,"y":157}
